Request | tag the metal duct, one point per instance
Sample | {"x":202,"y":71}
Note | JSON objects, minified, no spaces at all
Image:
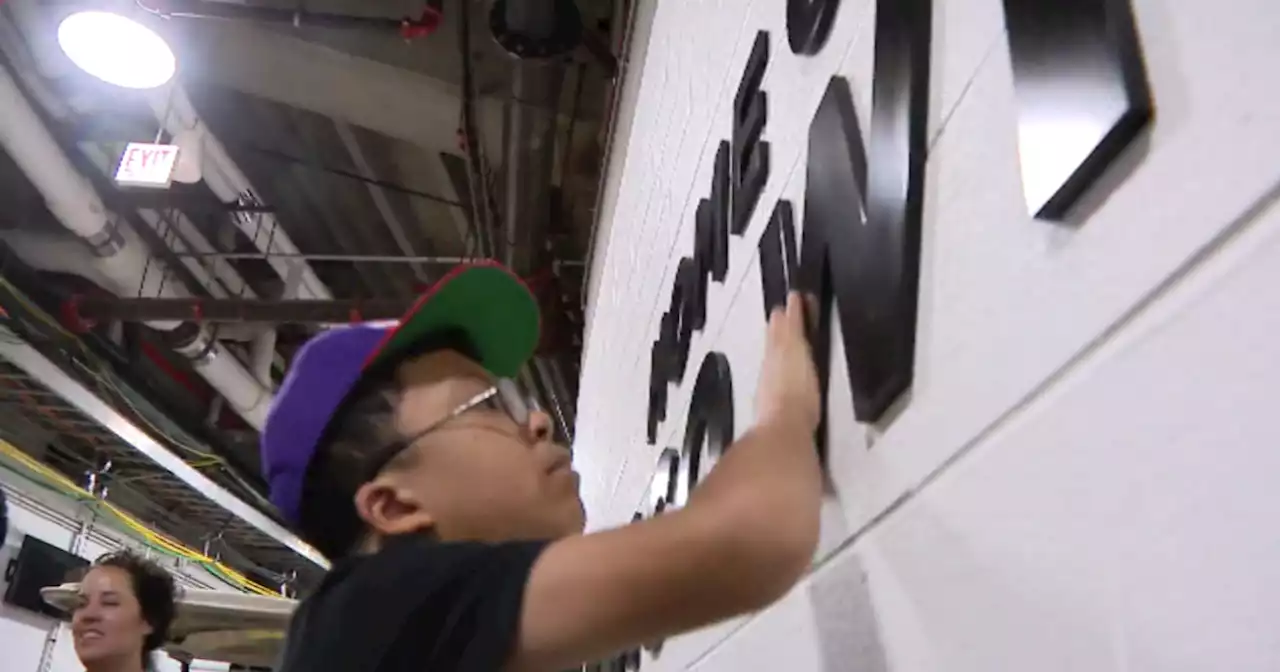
{"x":527,"y":169}
{"x":123,"y":261}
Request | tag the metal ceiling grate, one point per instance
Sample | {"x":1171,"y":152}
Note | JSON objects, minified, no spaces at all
{"x":81,"y":445}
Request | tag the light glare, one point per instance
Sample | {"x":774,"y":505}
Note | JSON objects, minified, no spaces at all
{"x":117,"y":50}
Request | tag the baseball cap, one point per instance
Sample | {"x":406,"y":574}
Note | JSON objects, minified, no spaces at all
{"x":482,"y":301}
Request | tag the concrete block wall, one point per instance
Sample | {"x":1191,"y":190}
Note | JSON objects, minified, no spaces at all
{"x":1082,"y":477}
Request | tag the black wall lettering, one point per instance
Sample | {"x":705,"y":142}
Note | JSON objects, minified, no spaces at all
{"x":663,"y":485}
{"x":749,"y":165}
{"x":687,"y":314}
{"x":721,"y":195}
{"x":1082,"y":94}
{"x":673,"y":475}
{"x":657,"y":389}
{"x":809,"y":24}
{"x":1076,"y":65}
{"x":709,"y":429}
{"x":860,"y":252}
{"x":778,"y":264}
{"x":712,"y":241}
{"x":741,"y":170}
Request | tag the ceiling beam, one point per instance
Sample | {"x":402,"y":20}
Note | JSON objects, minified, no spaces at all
{"x":263,"y":311}
{"x":390,"y":217}
{"x":395,"y":102}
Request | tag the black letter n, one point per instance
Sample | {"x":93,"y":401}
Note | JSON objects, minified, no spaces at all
{"x":860,"y":247}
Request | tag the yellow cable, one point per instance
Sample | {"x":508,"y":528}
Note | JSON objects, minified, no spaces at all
{"x":44,"y":317}
{"x":78,"y":492}
{"x":149,"y":535}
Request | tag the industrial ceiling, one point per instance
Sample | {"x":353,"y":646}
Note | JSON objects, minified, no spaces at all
{"x":347,"y":154}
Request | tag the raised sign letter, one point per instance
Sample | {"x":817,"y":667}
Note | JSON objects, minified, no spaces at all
{"x":778,"y":256}
{"x":809,"y":24}
{"x":749,"y":165}
{"x":861,"y":245}
{"x":657,"y":389}
{"x":1082,"y":94}
{"x":710,"y":421}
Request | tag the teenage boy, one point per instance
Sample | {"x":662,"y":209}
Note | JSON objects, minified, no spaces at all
{"x":407,"y":456}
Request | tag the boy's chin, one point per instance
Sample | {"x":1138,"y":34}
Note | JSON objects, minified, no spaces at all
{"x":577,"y":523}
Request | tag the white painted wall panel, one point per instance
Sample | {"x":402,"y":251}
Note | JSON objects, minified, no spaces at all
{"x":21,"y":639}
{"x":1125,"y":519}
{"x":23,"y":634}
{"x":1051,"y":551}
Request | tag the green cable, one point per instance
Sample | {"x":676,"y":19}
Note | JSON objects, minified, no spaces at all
{"x":41,"y":481}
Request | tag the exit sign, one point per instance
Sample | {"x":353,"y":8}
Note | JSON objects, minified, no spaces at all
{"x":147,"y":165}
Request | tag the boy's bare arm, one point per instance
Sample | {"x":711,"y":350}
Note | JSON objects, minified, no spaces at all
{"x":744,"y":538}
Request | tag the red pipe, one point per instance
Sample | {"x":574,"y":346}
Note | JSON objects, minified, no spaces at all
{"x":174,"y":372}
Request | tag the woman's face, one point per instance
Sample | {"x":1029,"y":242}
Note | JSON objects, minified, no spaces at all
{"x":107,"y":623}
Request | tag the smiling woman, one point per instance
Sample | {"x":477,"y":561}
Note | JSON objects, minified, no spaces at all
{"x":117,"y":50}
{"x":124,"y":611}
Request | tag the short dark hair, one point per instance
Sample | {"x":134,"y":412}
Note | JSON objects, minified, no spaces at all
{"x":155,"y":590}
{"x":366,"y":422}
{"x":363,"y":424}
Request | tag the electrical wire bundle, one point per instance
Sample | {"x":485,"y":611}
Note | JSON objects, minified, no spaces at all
{"x":100,"y":372}
{"x":49,"y":479}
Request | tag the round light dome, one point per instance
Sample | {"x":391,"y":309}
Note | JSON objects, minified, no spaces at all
{"x":117,"y":50}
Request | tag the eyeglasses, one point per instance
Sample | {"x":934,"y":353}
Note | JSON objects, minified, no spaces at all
{"x":504,"y":396}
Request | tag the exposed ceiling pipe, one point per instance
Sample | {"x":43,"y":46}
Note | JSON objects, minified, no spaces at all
{"x":125,"y":263}
{"x":36,"y":365}
{"x":116,"y":273}
{"x":218,"y":276}
{"x":537,"y":32}
{"x":174,"y":110}
{"x":236,"y":311}
{"x":528,"y":164}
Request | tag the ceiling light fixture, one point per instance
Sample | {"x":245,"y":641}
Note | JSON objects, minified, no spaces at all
{"x":117,"y":50}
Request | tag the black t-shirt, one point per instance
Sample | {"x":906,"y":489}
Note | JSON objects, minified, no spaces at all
{"x":418,"y":605}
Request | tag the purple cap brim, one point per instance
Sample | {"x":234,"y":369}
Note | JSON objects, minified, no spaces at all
{"x":323,"y":372}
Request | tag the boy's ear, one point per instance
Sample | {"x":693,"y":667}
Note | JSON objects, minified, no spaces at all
{"x":389,"y":509}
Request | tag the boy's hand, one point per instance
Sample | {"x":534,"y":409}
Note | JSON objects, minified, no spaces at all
{"x":788,"y":390}
{"x":743,"y":539}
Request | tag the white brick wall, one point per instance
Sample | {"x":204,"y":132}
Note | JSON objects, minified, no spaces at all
{"x":1082,"y":477}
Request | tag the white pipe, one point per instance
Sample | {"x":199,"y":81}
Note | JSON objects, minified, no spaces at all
{"x":28,"y":142}
{"x":119,"y":257}
{"x":205,"y":270}
{"x":219,"y":277}
{"x":226,"y":374}
{"x":36,"y":365}
{"x":174,"y":110}
{"x":262,"y":353}
{"x":122,"y":274}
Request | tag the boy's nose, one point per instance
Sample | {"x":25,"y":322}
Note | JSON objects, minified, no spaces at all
{"x":539,"y":426}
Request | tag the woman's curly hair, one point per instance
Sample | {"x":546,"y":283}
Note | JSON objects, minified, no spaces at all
{"x":155,"y":590}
